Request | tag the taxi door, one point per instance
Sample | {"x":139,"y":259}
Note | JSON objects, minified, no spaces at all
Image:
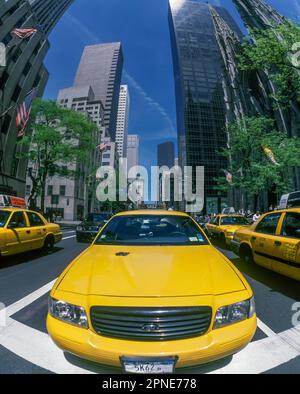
{"x":38,"y":230}
{"x":18,"y":234}
{"x":286,"y":250}
{"x":213,"y":226}
{"x":263,"y":239}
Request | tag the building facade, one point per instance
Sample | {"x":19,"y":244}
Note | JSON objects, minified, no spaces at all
{"x":200,"y":103}
{"x":101,"y":68}
{"x":258,"y":14}
{"x":72,"y":198}
{"x":133,"y":150}
{"x":123,"y":121}
{"x":24,"y":71}
{"x":48,"y":12}
{"x":166,"y":154}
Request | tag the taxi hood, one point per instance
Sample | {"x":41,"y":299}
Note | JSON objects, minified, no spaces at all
{"x":151,"y":271}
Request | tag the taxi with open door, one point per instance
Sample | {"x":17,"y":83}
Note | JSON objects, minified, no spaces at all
{"x":23,"y":230}
{"x":272,"y":242}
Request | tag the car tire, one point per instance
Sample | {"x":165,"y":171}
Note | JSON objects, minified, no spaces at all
{"x":49,"y":243}
{"x":246,"y":254}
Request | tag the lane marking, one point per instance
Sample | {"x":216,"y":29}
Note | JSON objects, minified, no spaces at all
{"x":267,"y":330}
{"x":37,"y":347}
{"x":68,"y":232}
{"x":292,"y":337}
{"x":71,"y":236}
{"x":29,"y":299}
{"x":260,"y":356}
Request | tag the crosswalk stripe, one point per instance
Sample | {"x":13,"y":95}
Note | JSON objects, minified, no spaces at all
{"x":37,"y":347}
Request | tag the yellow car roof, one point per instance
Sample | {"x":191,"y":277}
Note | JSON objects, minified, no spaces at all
{"x":152,"y":212}
{"x":233,"y":215}
{"x":15,"y":209}
{"x":295,"y":209}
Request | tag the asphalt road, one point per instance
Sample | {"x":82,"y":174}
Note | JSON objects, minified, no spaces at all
{"x":25,"y":282}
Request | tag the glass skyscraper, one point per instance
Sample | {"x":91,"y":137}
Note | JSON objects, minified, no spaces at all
{"x":198,"y":68}
{"x":24,"y":70}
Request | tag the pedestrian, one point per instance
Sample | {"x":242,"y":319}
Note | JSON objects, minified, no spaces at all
{"x":256,"y":216}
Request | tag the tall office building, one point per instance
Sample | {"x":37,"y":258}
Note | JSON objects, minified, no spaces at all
{"x":122,"y":121}
{"x":133,"y":150}
{"x":258,"y":14}
{"x":166,"y":158}
{"x":74,"y":198}
{"x":200,"y":103}
{"x":166,"y":154}
{"x":101,"y":68}
{"x":48,"y":12}
{"x":24,"y":70}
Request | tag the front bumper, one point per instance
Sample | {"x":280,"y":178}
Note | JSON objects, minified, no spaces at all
{"x":214,"y":345}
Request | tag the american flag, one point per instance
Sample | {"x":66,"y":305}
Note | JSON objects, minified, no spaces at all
{"x":102,"y":147}
{"x":24,"y":33}
{"x":24,"y":111}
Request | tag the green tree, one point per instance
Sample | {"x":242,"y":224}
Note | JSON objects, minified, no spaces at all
{"x":59,"y":138}
{"x":270,"y":50}
{"x":252,"y":169}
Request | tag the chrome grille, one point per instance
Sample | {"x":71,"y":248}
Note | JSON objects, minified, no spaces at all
{"x":151,"y":324}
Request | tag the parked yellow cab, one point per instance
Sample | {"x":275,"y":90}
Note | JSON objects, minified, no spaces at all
{"x":223,"y":227}
{"x":273,"y":242}
{"x":149,"y":294}
{"x":22,"y":230}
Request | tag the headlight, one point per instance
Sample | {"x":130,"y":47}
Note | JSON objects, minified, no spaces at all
{"x":79,"y":228}
{"x":234,"y":313}
{"x":68,"y":313}
{"x":230,"y":234}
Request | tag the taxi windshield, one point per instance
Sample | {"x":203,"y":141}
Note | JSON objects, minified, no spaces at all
{"x":4,"y":215}
{"x":151,"y":230}
{"x":233,"y":220}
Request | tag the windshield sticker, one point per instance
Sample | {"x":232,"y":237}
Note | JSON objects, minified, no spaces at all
{"x":193,"y":239}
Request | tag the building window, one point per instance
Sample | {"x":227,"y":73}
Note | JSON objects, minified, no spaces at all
{"x":62,"y":190}
{"x":50,"y":190}
{"x":54,"y":200}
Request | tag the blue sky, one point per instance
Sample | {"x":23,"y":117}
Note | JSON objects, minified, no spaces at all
{"x":142,"y":27}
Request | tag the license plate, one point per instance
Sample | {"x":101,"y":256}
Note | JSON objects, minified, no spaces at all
{"x":148,"y":365}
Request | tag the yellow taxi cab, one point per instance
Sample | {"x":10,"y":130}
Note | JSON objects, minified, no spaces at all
{"x":272,"y":242}
{"x":223,"y":227}
{"x":149,"y":294}
{"x":22,"y":230}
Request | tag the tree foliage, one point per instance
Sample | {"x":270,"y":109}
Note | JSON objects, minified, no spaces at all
{"x":252,"y":170}
{"x":271,"y":50}
{"x":58,"y":138}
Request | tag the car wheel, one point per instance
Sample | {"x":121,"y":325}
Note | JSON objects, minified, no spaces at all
{"x":246,"y":254}
{"x":49,"y":243}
